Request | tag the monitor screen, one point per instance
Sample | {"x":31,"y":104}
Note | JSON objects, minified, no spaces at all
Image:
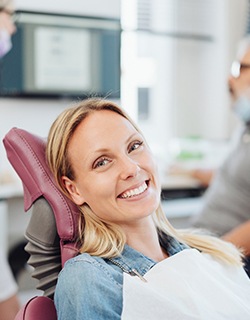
{"x":58,"y":55}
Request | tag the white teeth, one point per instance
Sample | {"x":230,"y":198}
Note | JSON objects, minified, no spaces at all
{"x":135,"y":192}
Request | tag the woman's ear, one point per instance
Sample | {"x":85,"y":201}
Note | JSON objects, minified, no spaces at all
{"x":72,"y":189}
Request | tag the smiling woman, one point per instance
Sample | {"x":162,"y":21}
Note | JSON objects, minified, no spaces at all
{"x":101,"y":161}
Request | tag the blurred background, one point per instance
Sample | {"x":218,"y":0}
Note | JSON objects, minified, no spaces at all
{"x":165,"y":61}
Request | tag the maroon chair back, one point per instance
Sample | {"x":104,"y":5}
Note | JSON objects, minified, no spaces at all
{"x":26,"y":153}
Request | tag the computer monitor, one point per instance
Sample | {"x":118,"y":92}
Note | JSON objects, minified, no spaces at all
{"x":55,"y":55}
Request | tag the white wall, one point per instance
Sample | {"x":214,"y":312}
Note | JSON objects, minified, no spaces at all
{"x":36,"y":115}
{"x":202,"y":99}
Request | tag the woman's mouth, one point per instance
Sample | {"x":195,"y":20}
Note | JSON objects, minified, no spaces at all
{"x":134,"y":192}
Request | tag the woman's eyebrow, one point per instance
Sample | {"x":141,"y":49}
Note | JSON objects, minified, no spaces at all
{"x":131,"y":136}
{"x":103,"y":150}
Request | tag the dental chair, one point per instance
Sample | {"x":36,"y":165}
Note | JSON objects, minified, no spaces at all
{"x":52,"y":230}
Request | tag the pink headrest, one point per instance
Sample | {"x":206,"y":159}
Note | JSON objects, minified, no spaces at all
{"x":26,"y":153}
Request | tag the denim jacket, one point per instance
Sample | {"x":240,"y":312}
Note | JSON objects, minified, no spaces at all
{"x":90,"y":287}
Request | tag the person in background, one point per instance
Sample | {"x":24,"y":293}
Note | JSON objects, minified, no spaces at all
{"x":226,"y":203}
{"x":9,"y":302}
{"x":240,"y":236}
{"x":132,"y":264}
{"x":7,"y":27}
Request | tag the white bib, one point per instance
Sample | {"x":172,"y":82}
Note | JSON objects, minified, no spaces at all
{"x":188,"y":285}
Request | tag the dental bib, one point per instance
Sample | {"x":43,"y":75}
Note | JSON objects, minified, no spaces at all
{"x":188,"y":285}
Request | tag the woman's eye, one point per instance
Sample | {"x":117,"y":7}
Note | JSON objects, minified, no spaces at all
{"x":101,"y":163}
{"x":135,"y":145}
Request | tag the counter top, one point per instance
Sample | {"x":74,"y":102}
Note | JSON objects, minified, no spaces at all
{"x":11,"y":190}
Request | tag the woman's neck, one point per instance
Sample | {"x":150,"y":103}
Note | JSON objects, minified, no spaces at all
{"x":144,"y":238}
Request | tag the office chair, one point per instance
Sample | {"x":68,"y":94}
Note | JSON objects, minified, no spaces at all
{"x":53,"y":227}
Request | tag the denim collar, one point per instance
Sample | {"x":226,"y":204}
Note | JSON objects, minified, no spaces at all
{"x":131,"y":260}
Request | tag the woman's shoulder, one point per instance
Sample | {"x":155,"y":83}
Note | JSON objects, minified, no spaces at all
{"x":83,"y":261}
{"x":83,"y":257}
{"x":80,"y":288}
{"x":85,"y":268}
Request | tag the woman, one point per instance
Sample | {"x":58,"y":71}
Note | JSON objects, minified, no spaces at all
{"x":132,"y":263}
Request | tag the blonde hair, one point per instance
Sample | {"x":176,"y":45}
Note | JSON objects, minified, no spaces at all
{"x":102,"y":238}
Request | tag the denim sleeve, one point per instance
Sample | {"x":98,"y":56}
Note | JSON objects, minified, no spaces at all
{"x":87,"y":290}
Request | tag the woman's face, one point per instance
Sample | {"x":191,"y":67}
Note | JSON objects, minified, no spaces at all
{"x":115,"y":173}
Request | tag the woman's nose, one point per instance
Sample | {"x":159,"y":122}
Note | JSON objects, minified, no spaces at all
{"x":129,"y":168}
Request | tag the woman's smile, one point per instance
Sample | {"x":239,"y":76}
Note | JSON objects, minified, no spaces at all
{"x":135,"y":191}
